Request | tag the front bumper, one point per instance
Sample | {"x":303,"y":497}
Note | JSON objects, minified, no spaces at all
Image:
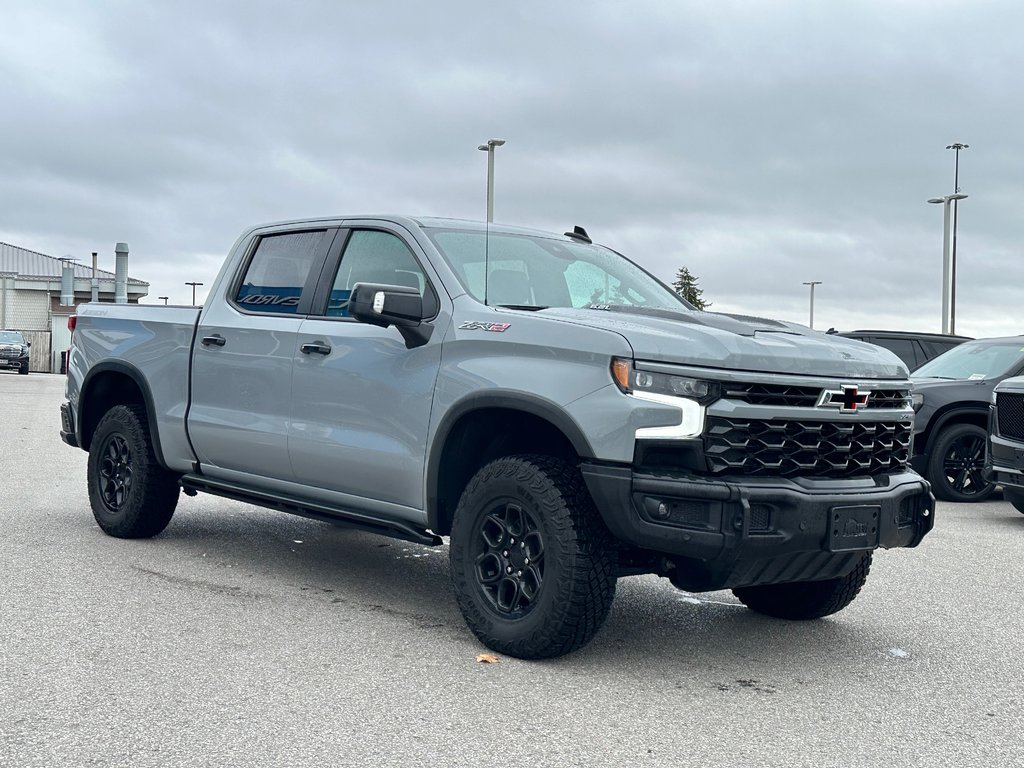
{"x":735,"y":531}
{"x":1004,"y":461}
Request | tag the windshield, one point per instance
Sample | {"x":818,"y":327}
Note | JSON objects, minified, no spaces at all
{"x":975,"y":360}
{"x":11,"y":337}
{"x":539,"y":272}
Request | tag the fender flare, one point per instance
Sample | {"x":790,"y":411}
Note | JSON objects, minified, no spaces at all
{"x":508,"y":400}
{"x":135,"y":375}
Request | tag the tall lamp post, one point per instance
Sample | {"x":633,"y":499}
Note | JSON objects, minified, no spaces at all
{"x":812,"y":283}
{"x":956,"y":147}
{"x":193,"y":292}
{"x":947,"y":261}
{"x":165,"y":298}
{"x":489,"y":149}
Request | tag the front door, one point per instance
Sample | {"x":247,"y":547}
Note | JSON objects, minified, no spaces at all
{"x":360,"y":399}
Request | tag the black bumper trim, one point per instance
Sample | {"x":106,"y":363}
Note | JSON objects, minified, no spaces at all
{"x":67,"y":425}
{"x":737,"y":532}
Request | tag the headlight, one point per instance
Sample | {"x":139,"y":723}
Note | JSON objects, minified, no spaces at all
{"x":916,"y":401}
{"x":630,"y":380}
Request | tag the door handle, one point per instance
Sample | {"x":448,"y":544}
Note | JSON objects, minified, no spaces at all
{"x":315,"y":348}
{"x":216,"y":340}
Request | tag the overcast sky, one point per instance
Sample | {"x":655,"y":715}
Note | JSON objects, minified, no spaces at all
{"x":761,"y":144}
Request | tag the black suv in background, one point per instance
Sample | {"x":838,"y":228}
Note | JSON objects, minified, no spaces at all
{"x":951,"y":396}
{"x":1006,"y":440}
{"x":914,"y":349}
{"x":14,"y":351}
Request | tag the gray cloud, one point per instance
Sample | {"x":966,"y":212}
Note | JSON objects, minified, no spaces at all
{"x":760,"y":144}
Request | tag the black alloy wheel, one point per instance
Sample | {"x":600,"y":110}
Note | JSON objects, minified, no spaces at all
{"x":510,"y":559}
{"x":115,"y":478}
{"x":957,"y":464}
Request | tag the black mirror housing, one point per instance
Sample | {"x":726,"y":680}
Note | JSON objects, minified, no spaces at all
{"x":386,"y":305}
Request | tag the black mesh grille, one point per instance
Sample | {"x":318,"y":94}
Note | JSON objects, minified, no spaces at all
{"x":1010,"y":413}
{"x":805,"y":448}
{"x":774,"y":394}
{"x":806,"y":397}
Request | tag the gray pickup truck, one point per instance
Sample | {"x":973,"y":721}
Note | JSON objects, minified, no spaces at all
{"x":560,"y":414}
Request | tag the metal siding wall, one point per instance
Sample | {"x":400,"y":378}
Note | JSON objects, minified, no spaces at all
{"x":29,"y":311}
{"x":60,"y":340}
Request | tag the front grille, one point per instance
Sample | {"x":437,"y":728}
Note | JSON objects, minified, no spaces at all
{"x":774,"y":394}
{"x":1010,"y":414}
{"x":806,"y":397}
{"x":787,"y":448}
{"x":10,"y":352}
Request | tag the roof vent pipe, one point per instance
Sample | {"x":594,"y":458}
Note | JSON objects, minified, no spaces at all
{"x":95,"y":281}
{"x":67,"y":283}
{"x":121,"y":273}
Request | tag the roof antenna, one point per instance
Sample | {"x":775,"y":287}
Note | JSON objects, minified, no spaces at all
{"x":579,"y":233}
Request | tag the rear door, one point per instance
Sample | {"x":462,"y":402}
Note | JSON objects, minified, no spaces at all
{"x":361,"y":400}
{"x":244,"y":351}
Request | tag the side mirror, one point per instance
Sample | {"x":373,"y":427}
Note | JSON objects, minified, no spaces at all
{"x":28,"y":343}
{"x":386,"y":305}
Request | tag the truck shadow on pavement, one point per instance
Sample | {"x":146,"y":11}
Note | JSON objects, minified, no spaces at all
{"x":259,"y":555}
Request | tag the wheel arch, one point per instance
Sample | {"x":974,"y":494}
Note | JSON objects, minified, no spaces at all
{"x":109,"y":384}
{"x":482,"y":428}
{"x":974,"y":413}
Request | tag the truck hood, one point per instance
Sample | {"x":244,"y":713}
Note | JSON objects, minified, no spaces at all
{"x":738,"y":342}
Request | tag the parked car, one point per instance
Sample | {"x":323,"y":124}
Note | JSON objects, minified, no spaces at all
{"x":14,"y":351}
{"x":914,"y":349}
{"x":951,"y":395}
{"x":1005,"y":464}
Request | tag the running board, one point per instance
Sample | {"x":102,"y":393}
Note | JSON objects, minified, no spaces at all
{"x":396,"y":529}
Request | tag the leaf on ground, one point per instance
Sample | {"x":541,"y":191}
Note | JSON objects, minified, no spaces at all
{"x":487,"y":658}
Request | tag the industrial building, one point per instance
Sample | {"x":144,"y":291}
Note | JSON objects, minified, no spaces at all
{"x":39,"y":292}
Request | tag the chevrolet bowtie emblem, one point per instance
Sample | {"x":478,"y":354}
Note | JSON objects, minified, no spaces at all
{"x":847,"y":399}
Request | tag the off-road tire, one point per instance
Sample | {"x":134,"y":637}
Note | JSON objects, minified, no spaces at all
{"x":1016,"y":497}
{"x":573,"y":581}
{"x":131,"y":495}
{"x":804,"y":600}
{"x":956,"y":464}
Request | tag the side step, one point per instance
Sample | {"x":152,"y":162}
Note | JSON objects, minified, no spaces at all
{"x":396,"y":529}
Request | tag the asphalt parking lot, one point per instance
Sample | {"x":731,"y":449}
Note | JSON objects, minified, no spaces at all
{"x":247,"y":637}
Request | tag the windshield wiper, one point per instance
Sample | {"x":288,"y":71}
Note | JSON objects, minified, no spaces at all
{"x":527,"y":307}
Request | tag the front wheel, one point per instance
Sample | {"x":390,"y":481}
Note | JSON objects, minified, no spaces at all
{"x":803,"y":600}
{"x":531,"y":561}
{"x":23,"y":370}
{"x":132,"y":496}
{"x":1015,"y":496}
{"x":956,"y":464}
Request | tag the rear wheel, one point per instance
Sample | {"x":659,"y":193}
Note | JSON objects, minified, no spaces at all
{"x":531,"y":561}
{"x":131,"y":495}
{"x":806,"y":599}
{"x":1015,"y":496}
{"x":956,"y":464}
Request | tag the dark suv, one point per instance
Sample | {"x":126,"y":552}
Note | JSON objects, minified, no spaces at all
{"x":914,"y":349}
{"x":14,"y":351}
{"x":951,"y":395}
{"x":1006,"y":440}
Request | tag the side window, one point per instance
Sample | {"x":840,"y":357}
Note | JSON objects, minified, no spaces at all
{"x":902,"y":347}
{"x":373,"y":257}
{"x":279,"y":268}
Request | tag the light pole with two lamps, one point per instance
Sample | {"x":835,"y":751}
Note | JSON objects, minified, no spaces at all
{"x":193,"y":292}
{"x":489,"y":149}
{"x":947,"y":260}
{"x":956,"y":147}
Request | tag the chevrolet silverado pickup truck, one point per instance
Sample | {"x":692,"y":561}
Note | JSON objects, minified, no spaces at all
{"x":556,"y":411}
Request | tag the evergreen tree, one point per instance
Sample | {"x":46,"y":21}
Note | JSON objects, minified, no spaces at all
{"x":686,"y":286}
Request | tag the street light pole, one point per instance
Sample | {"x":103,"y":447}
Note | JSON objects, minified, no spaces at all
{"x":489,"y":149}
{"x":193,"y":291}
{"x":947,"y":260}
{"x":164,"y":298}
{"x":956,"y":189}
{"x":812,"y":283}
